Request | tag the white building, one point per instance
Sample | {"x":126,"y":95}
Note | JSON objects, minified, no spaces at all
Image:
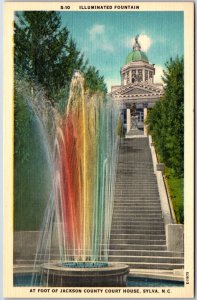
{"x":137,"y":87}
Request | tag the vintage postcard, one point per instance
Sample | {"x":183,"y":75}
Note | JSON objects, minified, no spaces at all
{"x":98,"y":149}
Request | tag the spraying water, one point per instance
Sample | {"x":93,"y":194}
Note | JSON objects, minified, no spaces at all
{"x":82,"y":149}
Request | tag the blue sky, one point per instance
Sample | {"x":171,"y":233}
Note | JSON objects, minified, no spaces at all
{"x":105,"y":38}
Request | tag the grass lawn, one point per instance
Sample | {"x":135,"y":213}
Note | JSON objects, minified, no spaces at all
{"x":175,"y":187}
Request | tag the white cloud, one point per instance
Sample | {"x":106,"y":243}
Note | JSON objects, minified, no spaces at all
{"x":144,"y":40}
{"x":99,"y":38}
{"x":158,"y":74}
{"x":96,"y":29}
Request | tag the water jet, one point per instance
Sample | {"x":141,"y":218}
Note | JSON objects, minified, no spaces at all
{"x":82,"y":148}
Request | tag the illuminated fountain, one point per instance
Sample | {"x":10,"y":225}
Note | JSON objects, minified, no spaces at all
{"x":82,"y":147}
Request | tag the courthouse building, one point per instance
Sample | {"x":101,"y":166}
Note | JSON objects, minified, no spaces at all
{"x":137,"y":92}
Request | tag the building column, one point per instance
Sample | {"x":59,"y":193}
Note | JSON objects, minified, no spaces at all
{"x":145,"y":115}
{"x":143,"y":75}
{"x":128,"y":119}
{"x":130,"y":77}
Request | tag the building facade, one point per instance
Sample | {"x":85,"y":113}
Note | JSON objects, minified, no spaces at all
{"x":137,"y":92}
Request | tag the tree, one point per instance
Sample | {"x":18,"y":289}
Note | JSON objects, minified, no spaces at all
{"x":43,"y":50}
{"x":46,"y":54}
{"x":45,"y":57}
{"x":94,"y":82}
{"x":166,"y":119}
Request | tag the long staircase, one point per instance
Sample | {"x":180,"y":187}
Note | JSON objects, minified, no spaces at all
{"x":138,"y":233}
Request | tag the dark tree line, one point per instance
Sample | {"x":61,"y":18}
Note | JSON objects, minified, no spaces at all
{"x":45,"y":57}
{"x":46,"y":54}
{"x":166,"y":120}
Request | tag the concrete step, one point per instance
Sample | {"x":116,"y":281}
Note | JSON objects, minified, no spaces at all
{"x":136,"y":241}
{"x":137,"y":231}
{"x":137,"y":247}
{"x":137,"y":173}
{"x":136,"y":176}
{"x":140,"y":190}
{"x":128,"y":164}
{"x":134,"y":201}
{"x":118,"y":225}
{"x":146,"y":253}
{"x":137,"y":218}
{"x":137,"y":205}
{"x":123,"y":167}
{"x":136,"y":197}
{"x":138,"y":224}
{"x":147,"y":187}
{"x":136,"y":179}
{"x":156,"y":266}
{"x":130,"y":206}
{"x":137,"y":227}
{"x":132,"y":197}
{"x":147,"y":259}
{"x":136,"y":190}
{"x":136,"y":194}
{"x":139,"y":186}
{"x":140,"y":214}
{"x":146,"y":181}
{"x":133,"y":169}
{"x":137,"y":210}
{"x":144,"y":156}
{"x":138,"y":236}
{"x":134,"y":166}
{"x":133,"y":209}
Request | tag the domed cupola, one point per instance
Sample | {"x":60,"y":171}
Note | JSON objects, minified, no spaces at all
{"x":137,"y":67}
{"x":136,"y":54}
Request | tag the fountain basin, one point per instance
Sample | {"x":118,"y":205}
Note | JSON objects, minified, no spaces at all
{"x":114,"y":275}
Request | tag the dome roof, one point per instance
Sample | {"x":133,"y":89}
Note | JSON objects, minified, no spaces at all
{"x":136,"y":55}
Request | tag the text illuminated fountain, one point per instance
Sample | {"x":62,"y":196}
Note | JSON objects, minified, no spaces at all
{"x":82,"y":147}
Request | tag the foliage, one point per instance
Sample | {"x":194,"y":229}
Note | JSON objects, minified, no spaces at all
{"x":22,"y":124}
{"x":166,"y":120}
{"x":175,"y":187}
{"x":93,"y":81}
{"x":31,"y":170}
{"x":46,"y":54}
{"x":166,"y":125}
{"x":32,"y":185}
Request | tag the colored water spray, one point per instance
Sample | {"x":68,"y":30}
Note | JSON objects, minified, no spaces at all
{"x":83,"y":149}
